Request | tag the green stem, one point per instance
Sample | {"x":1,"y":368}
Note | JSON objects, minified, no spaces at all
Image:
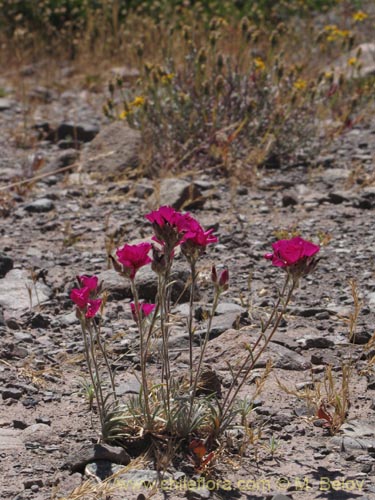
{"x":138,"y":318}
{"x":203,"y":350}
{"x":190,"y":319}
{"x":105,"y":357}
{"x":229,"y":399}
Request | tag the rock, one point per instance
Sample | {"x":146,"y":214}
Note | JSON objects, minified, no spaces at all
{"x":231,"y":345}
{"x":39,"y":321}
{"x":38,"y":433}
{"x":289,"y":200}
{"x":29,"y":483}
{"x":14,"y":291}
{"x":64,"y":159}
{"x":365,"y":62}
{"x":94,"y":453}
{"x":23,"y":337}
{"x":13,"y":324}
{"x":316,"y":342}
{"x":40,"y":206}
{"x":113,"y":150}
{"x":131,"y":386}
{"x":146,"y":280}
{"x":75,"y":132}
{"x":6,"y":264}
{"x":5,"y":104}
{"x":10,"y":439}
{"x":180,"y":194}
{"x":11,"y":393}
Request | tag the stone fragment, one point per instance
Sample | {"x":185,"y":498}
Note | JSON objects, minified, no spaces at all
{"x":6,"y":264}
{"x":113,"y":150}
{"x":5,"y":104}
{"x":15,"y":288}
{"x":40,"y":206}
{"x":96,"y":453}
{"x":180,"y":194}
{"x":119,"y":287}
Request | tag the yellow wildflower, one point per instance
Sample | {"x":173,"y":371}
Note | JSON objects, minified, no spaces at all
{"x":352,"y":61}
{"x":138,"y":101}
{"x":165,"y":79}
{"x":123,"y":115}
{"x":300,"y":84}
{"x":330,"y":27}
{"x":259,"y":64}
{"x":359,"y":16}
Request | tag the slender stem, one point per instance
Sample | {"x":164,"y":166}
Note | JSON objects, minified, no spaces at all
{"x":104,"y":353}
{"x":203,"y":349}
{"x":96,"y":365}
{"x":229,"y":399}
{"x":274,"y":311}
{"x":138,"y":318}
{"x":164,"y":332}
{"x":190,"y":319}
{"x":91,"y":371}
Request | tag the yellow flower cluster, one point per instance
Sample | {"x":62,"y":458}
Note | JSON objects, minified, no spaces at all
{"x":334,"y":33}
{"x":136,"y":103}
{"x":259,"y":64}
{"x":165,"y":79}
{"x":300,"y":84}
{"x":359,"y":16}
{"x":352,"y":61}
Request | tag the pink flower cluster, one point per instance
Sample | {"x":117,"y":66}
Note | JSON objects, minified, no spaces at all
{"x":84,"y":297}
{"x":171,"y":229}
{"x":174,"y":228}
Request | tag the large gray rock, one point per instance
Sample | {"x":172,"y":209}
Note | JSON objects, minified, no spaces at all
{"x":146,"y":281}
{"x":17,"y":288}
{"x":113,"y":150}
{"x":180,"y":194}
{"x":6,"y":264}
{"x":364,"y":65}
{"x":10,"y":439}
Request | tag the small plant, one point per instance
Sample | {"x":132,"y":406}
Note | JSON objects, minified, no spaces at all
{"x":188,"y":408}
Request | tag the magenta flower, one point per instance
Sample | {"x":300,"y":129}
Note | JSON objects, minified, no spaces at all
{"x":145,"y":309}
{"x":80,"y":296}
{"x":169,"y":225}
{"x":296,"y":255}
{"x":84,"y":297}
{"x":133,"y":257}
{"x":195,"y":239}
{"x":93,"y":306}
{"x":91,"y":282}
{"x":196,"y":235}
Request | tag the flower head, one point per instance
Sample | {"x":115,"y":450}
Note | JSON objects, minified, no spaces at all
{"x":169,"y":225}
{"x":80,"y":296}
{"x":133,"y":257}
{"x":91,"y":282}
{"x":195,"y":239}
{"x":296,"y":255}
{"x":85,"y":297}
{"x":144,"y":308}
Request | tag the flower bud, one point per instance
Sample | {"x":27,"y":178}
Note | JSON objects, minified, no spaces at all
{"x":224,"y":279}
{"x":214,"y":275}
